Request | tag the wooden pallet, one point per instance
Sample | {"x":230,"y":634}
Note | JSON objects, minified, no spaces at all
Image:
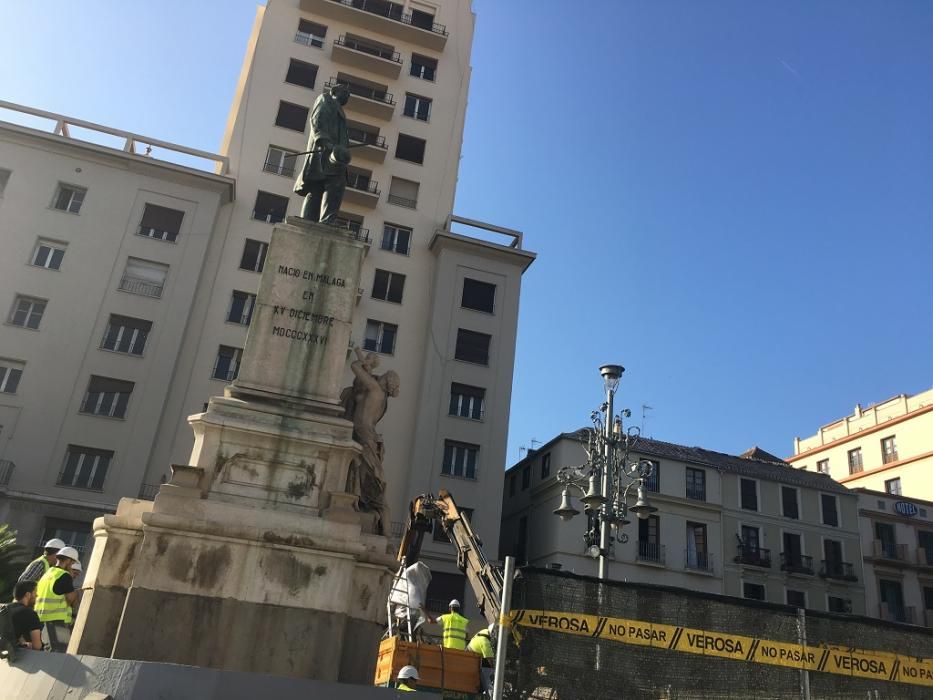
{"x":439,"y":668}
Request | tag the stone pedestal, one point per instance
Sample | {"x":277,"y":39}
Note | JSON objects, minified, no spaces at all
{"x":253,"y":557}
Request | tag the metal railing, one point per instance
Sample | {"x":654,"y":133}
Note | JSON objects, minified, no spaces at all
{"x":890,"y":550}
{"x":370,"y":93}
{"x":359,"y":233}
{"x":135,"y":285}
{"x":402,"y":201}
{"x":279,"y":168}
{"x":6,"y":471}
{"x":796,"y":563}
{"x":147,"y":492}
{"x":896,"y":613}
{"x":924,"y":556}
{"x":841,"y":570}
{"x":157,"y":233}
{"x":363,"y":184}
{"x":754,"y":556}
{"x":393,"y":11}
{"x":370,"y":139}
{"x":696,"y":494}
{"x":227,"y":375}
{"x":376,"y":51}
{"x":698,"y":561}
{"x":270,"y":217}
{"x":650,"y":552}
{"x":309,"y":39}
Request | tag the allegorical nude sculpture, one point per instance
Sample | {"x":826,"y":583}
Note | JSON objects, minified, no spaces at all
{"x":323,"y":178}
{"x":365,"y":404}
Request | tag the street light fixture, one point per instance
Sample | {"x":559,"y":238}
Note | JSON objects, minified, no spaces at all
{"x":608,"y":477}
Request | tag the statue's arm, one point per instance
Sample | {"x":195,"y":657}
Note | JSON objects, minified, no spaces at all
{"x":360,"y":372}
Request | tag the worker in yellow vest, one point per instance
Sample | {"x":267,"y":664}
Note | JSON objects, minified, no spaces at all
{"x":55,"y":600}
{"x":482,"y":644}
{"x":407,"y":679}
{"x":38,"y":566}
{"x":455,"y":627}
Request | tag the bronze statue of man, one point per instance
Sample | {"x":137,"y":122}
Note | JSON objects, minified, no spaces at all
{"x":323,"y":179}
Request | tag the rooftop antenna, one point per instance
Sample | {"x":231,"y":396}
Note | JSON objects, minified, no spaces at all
{"x":644,"y":408}
{"x":535,"y":443}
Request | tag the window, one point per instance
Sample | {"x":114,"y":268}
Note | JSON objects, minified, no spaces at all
{"x":789,"y":502}
{"x":4,"y":179}
{"x":855,"y":460}
{"x":830,"y":514}
{"x":697,"y":554}
{"x":301,"y":73}
{"x":925,"y":543}
{"x":438,"y":533}
{"x":161,"y":223}
{"x":511,"y":485}
{"x":76,"y":533}
{"x":417,"y":107}
{"x":892,"y":601}
{"x":380,"y":336}
{"x":227,"y":364}
{"x":423,"y":67}
{"x":649,"y":539}
{"x":27,"y":311}
{"x":546,"y":466}
{"x":241,"y":307}
{"x":144,"y":277}
{"x":888,"y":450}
{"x":749,"y":492}
{"x":753,"y":591}
{"x":291,"y":116}
{"x":696,"y":484}
{"x":107,"y":397}
{"x":85,"y":467}
{"x":526,"y":476}
{"x":48,"y":254}
{"x":838,"y":605}
{"x":472,"y":346}
{"x":69,"y":198}
{"x":10,"y":373}
{"x":280,"y":161}
{"x":479,"y":296}
{"x":466,"y":401}
{"x":254,"y":255}
{"x":887,"y":541}
{"x":442,"y":589}
{"x":403,"y":193}
{"x":797,"y":598}
{"x":411,"y":149}
{"x":396,"y":239}
{"x":751,"y":539}
{"x":125,"y":334}
{"x":653,"y":480}
{"x":311,"y":33}
{"x":388,"y":286}
{"x":420,"y":18}
{"x":792,"y":556}
{"x":893,"y":486}
{"x":822,"y":466}
{"x":460,"y":459}
{"x":270,"y":207}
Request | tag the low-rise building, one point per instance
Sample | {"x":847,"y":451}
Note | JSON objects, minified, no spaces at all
{"x":885,"y":447}
{"x":748,"y":526}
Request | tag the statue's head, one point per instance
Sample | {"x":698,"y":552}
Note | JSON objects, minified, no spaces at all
{"x":390,"y":382}
{"x":340,"y":92}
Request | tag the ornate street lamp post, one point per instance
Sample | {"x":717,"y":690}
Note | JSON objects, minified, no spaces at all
{"x":607,"y":477}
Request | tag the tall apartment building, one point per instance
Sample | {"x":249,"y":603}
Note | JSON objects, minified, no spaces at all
{"x":885,"y":447}
{"x":748,"y":526}
{"x":101,"y":260}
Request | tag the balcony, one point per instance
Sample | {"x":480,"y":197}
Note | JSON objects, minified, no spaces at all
{"x":361,"y":190}
{"x":696,"y":494}
{"x":368,"y":145}
{"x":366,"y":99}
{"x":6,"y":472}
{"x":367,"y":56}
{"x":839,"y":570}
{"x":359,"y":233}
{"x":924,"y":557}
{"x":143,"y":287}
{"x":890,"y":551}
{"x":383,"y":17}
{"x":650,"y":553}
{"x":754,"y":556}
{"x":698,"y":561}
{"x":147,"y":492}
{"x":796,"y":563}
{"x":897,"y":613}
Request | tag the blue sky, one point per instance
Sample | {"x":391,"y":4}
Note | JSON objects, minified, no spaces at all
{"x":731,"y":199}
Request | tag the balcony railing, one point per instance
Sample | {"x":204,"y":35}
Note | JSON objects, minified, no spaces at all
{"x":896,"y":613}
{"x":754,"y":556}
{"x":402,"y":201}
{"x":924,"y":556}
{"x":6,"y":471}
{"x":363,"y":184}
{"x":796,"y":563}
{"x":279,"y":168}
{"x":890,"y":550}
{"x":147,"y":492}
{"x":370,"y":93}
{"x":696,"y":494}
{"x":388,"y":55}
{"x":360,"y":136}
{"x":359,"y":233}
{"x":840,"y":570}
{"x":146,"y":288}
{"x":698,"y":561}
{"x":650,"y":552}
{"x":270,"y":217}
{"x":393,"y":11}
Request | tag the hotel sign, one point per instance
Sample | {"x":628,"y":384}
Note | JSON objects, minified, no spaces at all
{"x":907,"y":509}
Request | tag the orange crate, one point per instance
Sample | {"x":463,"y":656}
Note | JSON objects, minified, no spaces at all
{"x":439,"y":668}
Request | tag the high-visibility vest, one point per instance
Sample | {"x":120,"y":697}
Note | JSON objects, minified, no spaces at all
{"x":481,"y":644}
{"x":51,"y":607}
{"x":455,"y":630}
{"x":402,"y":686}
{"x":45,"y":568}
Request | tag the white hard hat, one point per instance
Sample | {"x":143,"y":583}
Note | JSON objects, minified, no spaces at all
{"x":408,"y":672}
{"x":454,"y":603}
{"x":54,"y":543}
{"x":491,"y":629}
{"x":69,"y":552}
{"x":77,"y":566}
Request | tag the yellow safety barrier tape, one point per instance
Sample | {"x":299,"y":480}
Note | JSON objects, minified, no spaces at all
{"x":879,"y":665}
